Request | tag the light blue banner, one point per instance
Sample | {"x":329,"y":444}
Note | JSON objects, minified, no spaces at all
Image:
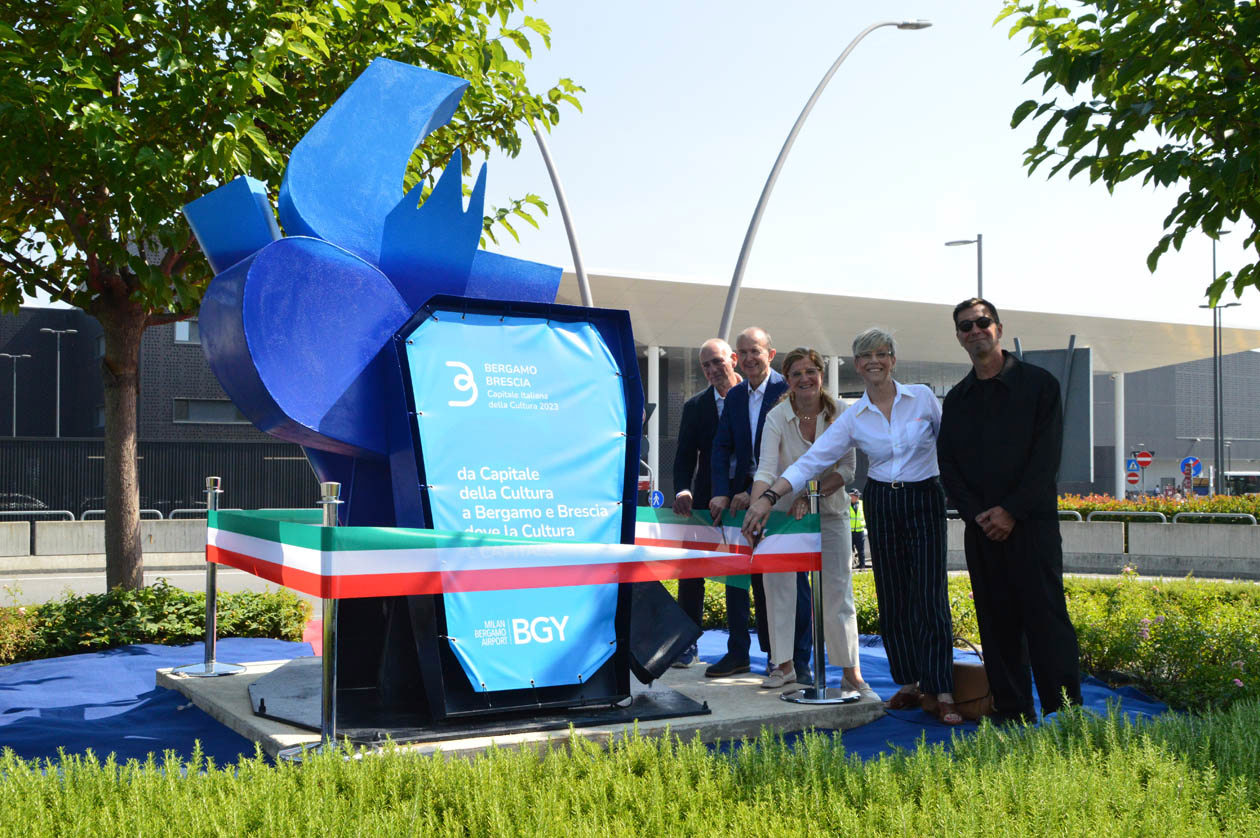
{"x":521,"y":424}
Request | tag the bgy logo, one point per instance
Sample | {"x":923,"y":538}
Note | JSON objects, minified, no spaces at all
{"x":463,"y":382}
{"x":538,"y":630}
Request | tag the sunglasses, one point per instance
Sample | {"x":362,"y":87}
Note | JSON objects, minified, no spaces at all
{"x":964,"y":326}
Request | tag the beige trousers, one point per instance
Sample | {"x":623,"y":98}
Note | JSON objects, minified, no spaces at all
{"x":840,"y":614}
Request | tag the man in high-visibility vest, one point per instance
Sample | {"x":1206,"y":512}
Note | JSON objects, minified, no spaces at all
{"x":857,"y":520}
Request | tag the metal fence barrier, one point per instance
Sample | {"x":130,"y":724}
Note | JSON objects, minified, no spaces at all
{"x":94,"y":514}
{"x":1246,"y":516}
{"x":1072,"y":514}
{"x":1161,"y":517}
{"x":65,"y":514}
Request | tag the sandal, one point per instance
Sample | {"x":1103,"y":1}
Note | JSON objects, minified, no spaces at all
{"x":947,"y":713}
{"x":905,"y":700}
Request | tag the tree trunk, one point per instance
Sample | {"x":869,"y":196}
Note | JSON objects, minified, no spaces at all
{"x":124,"y":558}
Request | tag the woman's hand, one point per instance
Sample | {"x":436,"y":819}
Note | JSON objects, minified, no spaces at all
{"x":741,"y":501}
{"x":755,"y":518}
{"x":800,"y":508}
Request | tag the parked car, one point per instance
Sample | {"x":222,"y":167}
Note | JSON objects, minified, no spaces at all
{"x":18,"y":502}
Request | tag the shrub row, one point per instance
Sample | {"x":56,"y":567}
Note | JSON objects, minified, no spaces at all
{"x":1192,"y":643}
{"x":158,"y":613}
{"x":1082,"y":775}
{"x":1230,"y":504}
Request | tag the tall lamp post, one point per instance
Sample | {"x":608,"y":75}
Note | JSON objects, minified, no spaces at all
{"x":978,"y":241}
{"x":59,"y":333}
{"x":1218,"y":398}
{"x":14,"y":359}
{"x":732,"y":296}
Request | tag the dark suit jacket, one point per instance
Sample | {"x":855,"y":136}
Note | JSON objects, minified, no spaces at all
{"x":695,"y":445}
{"x":734,"y":436}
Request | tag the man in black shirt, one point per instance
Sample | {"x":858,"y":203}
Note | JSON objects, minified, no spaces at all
{"x":999,"y":444}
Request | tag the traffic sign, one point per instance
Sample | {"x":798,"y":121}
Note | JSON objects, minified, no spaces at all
{"x":1131,"y":465}
{"x":1133,"y":478}
{"x":1192,"y":466}
{"x":1144,"y":458}
{"x":657,"y":499}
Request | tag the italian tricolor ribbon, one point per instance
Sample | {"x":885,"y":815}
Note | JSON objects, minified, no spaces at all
{"x":289,"y":547}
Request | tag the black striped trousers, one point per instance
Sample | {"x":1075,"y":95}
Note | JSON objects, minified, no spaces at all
{"x":906,"y":523}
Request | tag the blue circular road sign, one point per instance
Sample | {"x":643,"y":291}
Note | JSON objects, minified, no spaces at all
{"x":657,"y":499}
{"x":1194,"y":464}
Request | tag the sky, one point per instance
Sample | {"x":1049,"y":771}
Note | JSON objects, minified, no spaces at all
{"x":688,"y":102}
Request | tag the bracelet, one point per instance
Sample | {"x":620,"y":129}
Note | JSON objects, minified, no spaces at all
{"x":772,"y":495}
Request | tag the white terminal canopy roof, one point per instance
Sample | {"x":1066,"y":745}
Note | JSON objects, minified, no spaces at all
{"x":674,"y":312}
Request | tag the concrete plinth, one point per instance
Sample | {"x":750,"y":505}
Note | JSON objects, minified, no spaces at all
{"x":739,"y":708}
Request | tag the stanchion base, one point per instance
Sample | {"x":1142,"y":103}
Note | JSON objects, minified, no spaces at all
{"x":829,"y":695}
{"x":298,"y":753}
{"x":208,"y":670}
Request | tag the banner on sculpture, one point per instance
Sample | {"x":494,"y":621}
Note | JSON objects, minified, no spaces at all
{"x":520,"y":423}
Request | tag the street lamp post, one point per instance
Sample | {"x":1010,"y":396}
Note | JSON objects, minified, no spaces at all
{"x":59,"y":333}
{"x":732,"y":295}
{"x":1218,"y":398}
{"x":978,"y":241}
{"x":14,"y":359}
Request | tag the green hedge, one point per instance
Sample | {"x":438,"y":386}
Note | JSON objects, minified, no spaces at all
{"x":1230,"y":504}
{"x":1192,"y":643}
{"x":158,"y":613}
{"x":1085,"y":775}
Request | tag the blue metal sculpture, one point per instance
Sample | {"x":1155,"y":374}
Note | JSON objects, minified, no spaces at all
{"x":295,"y":328}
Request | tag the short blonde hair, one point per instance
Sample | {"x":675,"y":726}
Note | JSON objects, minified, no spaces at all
{"x":872,"y":339}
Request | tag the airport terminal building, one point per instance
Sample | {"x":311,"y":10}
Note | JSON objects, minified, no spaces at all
{"x":1163,"y":371}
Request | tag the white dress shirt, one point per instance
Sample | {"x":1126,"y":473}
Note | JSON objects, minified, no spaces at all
{"x":783,"y":444}
{"x":755,"y":398}
{"x":901,"y":449}
{"x":721,"y":405}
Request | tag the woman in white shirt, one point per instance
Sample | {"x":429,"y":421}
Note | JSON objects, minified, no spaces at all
{"x":802,"y":414}
{"x":896,"y":426}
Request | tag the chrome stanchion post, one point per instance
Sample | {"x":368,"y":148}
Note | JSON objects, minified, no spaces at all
{"x":819,"y":693}
{"x":329,"y":499}
{"x":210,"y":667}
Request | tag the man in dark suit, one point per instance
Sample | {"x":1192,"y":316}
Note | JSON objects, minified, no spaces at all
{"x":736,"y":449}
{"x":693,"y":479}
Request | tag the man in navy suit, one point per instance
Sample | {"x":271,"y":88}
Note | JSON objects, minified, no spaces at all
{"x":736,"y":448}
{"x":693,"y":480}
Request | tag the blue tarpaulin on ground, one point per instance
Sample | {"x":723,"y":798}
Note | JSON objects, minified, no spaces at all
{"x":107,"y":702}
{"x":904,"y":728}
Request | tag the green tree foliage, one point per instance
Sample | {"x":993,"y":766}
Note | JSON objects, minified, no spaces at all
{"x":115,"y":113}
{"x":1168,"y":92}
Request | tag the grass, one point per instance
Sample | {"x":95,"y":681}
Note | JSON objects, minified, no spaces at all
{"x":1085,"y":775}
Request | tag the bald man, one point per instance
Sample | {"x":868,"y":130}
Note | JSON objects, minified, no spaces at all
{"x":693,"y":480}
